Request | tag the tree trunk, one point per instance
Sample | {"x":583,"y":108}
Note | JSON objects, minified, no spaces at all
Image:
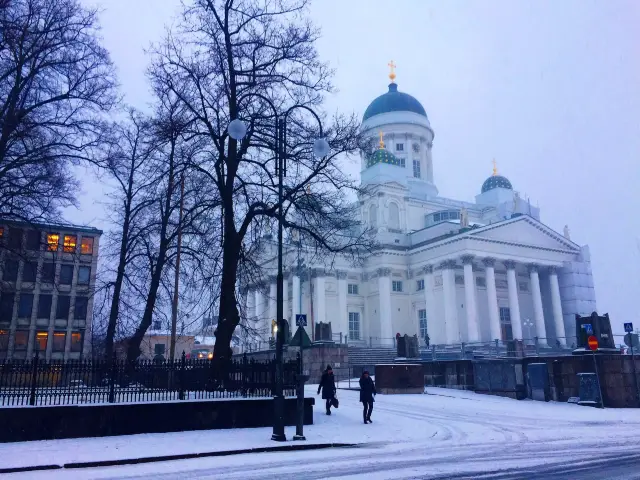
{"x":117,"y":289}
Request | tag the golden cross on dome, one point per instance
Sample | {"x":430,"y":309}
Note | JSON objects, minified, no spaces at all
{"x":495,"y":168}
{"x":381,"y":140}
{"x":392,"y":73}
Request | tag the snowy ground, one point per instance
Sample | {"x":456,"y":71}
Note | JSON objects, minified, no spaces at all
{"x":446,"y":434}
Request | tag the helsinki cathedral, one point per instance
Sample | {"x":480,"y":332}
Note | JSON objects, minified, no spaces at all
{"x":447,"y":270}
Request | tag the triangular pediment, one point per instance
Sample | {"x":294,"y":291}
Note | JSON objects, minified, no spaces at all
{"x":525,"y":230}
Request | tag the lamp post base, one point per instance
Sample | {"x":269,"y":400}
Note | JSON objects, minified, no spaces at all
{"x":279,"y":437}
{"x":299,"y":437}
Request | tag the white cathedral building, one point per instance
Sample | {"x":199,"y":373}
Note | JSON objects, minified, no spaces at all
{"x":453,"y":270}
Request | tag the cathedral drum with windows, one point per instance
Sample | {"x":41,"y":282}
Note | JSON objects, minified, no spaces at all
{"x":449,"y":270}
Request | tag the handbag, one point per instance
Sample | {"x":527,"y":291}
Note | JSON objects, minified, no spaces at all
{"x":334,"y":402}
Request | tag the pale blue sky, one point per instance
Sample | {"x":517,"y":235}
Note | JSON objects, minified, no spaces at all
{"x":549,"y":88}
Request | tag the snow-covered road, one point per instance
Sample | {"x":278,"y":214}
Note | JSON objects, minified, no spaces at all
{"x":444,"y":435}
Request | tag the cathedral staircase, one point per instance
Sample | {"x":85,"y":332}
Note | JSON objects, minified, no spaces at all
{"x":371,"y":356}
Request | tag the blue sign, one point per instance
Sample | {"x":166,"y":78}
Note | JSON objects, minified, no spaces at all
{"x":628,"y":327}
{"x":588,"y":328}
{"x":301,"y":320}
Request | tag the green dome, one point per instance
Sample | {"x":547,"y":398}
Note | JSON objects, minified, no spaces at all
{"x":496,"y":181}
{"x":394,"y":101}
{"x":382,"y":155}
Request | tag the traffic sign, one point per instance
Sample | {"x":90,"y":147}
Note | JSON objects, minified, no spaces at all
{"x":300,"y":339}
{"x":588,"y":328}
{"x":301,"y":320}
{"x":593,"y":343}
{"x":628,"y":327}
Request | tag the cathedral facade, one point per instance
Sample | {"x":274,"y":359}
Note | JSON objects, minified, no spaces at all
{"x":448,"y":271}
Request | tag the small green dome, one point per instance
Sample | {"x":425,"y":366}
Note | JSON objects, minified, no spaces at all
{"x":496,"y":181}
{"x":394,"y":101}
{"x":382,"y":155}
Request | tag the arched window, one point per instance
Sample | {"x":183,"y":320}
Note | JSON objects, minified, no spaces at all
{"x":394,"y":216}
{"x":373,"y":216}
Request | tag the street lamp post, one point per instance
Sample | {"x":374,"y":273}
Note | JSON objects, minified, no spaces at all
{"x":237,"y":130}
{"x":528,"y":323}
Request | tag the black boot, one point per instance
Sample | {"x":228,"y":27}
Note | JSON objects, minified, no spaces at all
{"x":369,"y":420}
{"x":328,"y":412}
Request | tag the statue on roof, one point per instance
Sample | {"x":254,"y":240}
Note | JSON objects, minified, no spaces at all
{"x":464,"y":218}
{"x":567,"y":233}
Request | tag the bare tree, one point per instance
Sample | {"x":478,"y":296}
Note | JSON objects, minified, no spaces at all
{"x":56,"y":82}
{"x":244,"y":59}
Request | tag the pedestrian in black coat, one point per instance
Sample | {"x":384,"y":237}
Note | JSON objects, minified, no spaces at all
{"x":367,"y":392}
{"x":328,"y":387}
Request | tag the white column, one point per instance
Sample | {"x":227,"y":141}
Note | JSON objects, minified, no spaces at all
{"x":541,"y":331}
{"x":319,"y":302}
{"x":450,"y":303}
{"x":514,"y":304}
{"x":492,"y":299}
{"x":260,"y":313}
{"x":343,"y":315}
{"x":384,"y":293}
{"x":273,"y":291}
{"x":251,"y":305}
{"x":473,"y":331}
{"x":556,"y":303}
{"x":429,"y":297}
{"x":295,"y":298}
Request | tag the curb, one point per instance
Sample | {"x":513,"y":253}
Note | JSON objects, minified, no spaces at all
{"x":184,"y":456}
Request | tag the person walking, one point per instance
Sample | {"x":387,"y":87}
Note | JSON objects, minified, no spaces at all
{"x":328,"y":387}
{"x":367,"y":392}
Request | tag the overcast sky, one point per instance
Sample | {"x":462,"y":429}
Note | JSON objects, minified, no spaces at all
{"x":549,"y":88}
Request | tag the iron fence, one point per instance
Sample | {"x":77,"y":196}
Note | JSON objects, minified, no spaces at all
{"x":72,"y":382}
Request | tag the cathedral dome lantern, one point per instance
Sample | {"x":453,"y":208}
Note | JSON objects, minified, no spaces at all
{"x":496,"y":181}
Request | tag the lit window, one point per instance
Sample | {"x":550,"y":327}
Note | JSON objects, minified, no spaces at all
{"x":86,"y":247}
{"x":21,"y":340}
{"x":396,"y":286}
{"x":76,"y":342}
{"x":1,"y":232}
{"x":59,"y":341}
{"x":52,"y":242}
{"x":70,"y":243}
{"x":4,"y":340}
{"x":41,"y":341}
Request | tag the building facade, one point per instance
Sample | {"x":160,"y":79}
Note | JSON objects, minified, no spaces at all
{"x":446,"y":270}
{"x":46,"y":290}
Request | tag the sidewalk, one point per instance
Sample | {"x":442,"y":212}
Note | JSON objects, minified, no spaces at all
{"x":132,"y":449}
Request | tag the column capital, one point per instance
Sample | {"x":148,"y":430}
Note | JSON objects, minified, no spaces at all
{"x":341,"y":274}
{"x":448,"y":264}
{"x":553,"y":270}
{"x":410,"y":274}
{"x":317,"y":272}
{"x":364,"y":277}
{"x":467,"y":259}
{"x":489,"y":262}
{"x":272,"y":279}
{"x":427,"y":269}
{"x":510,"y":264}
{"x":295,"y":271}
{"x":532,"y":267}
{"x":384,"y":272}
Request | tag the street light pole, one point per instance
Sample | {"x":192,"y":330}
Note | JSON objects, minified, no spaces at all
{"x":237,"y":130}
{"x":278,"y":395}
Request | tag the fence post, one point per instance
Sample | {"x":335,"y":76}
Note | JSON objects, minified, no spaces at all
{"x":34,"y":379}
{"x":183,"y":361}
{"x":112,"y":378}
{"x":244,"y":375}
{"x":370,"y":342}
{"x":497,"y":346}
{"x":433,"y":350}
{"x":462,"y":345}
{"x":535,"y":340}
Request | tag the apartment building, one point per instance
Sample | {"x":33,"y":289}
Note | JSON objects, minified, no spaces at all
{"x":48,"y":274}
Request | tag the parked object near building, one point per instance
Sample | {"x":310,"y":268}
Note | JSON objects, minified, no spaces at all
{"x":46,"y":293}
